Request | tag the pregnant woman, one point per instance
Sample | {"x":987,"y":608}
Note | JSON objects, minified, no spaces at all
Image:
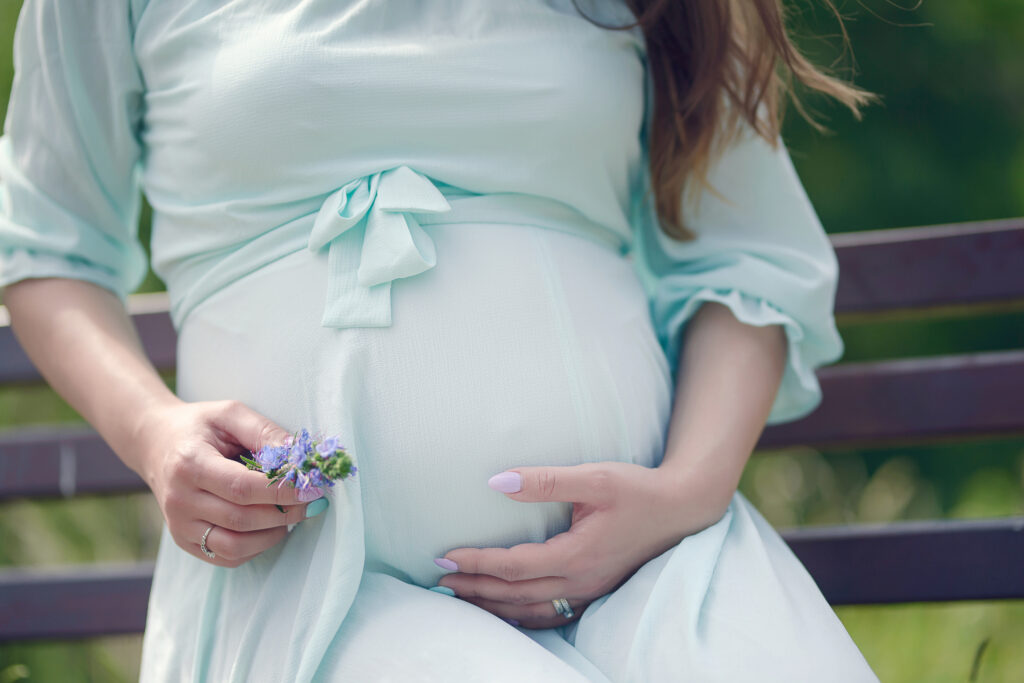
{"x":453,"y":233}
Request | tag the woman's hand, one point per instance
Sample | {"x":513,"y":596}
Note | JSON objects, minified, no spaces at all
{"x":623,"y":515}
{"x":187,"y":463}
{"x":80,"y":337}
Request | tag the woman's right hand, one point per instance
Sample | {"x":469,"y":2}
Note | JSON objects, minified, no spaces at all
{"x":186,"y":457}
{"x":82,"y":340}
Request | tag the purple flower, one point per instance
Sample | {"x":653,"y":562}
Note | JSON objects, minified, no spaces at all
{"x":292,"y":462}
{"x":297,"y":454}
{"x":327,"y":447}
{"x":317,"y":478}
{"x":271,"y":457}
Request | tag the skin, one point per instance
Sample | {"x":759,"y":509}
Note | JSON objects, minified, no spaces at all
{"x":623,"y":514}
{"x":83,"y":342}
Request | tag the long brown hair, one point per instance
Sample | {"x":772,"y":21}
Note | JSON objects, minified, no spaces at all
{"x":714,"y":64}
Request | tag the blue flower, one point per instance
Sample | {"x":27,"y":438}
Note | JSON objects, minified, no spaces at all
{"x":327,"y":447}
{"x":317,"y":478}
{"x":291,"y":461}
{"x":271,"y":457}
{"x":297,"y":454}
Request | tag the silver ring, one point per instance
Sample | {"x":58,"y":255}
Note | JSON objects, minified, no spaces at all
{"x":202,"y":544}
{"x":563,"y":608}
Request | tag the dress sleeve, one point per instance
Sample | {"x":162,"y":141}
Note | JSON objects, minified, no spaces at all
{"x":69,"y":154}
{"x":761,"y":251}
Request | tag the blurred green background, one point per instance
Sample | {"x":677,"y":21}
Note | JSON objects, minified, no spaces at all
{"x":945,"y":145}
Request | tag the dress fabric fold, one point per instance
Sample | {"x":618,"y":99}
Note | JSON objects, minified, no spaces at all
{"x":430,"y":232}
{"x":393,"y":243}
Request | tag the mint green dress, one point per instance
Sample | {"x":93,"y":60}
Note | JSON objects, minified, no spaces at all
{"x":425,"y":227}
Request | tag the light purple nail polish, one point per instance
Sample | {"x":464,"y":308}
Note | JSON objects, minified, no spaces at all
{"x":445,"y":563}
{"x":506,"y":482}
{"x":513,"y":622}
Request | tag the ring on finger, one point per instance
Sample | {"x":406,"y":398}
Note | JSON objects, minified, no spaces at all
{"x":563,"y":608}
{"x":202,"y":544}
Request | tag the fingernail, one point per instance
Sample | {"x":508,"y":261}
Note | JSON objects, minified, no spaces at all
{"x":445,"y":563}
{"x":316,"y":507}
{"x":506,"y":482}
{"x":513,"y":622}
{"x":444,"y":590}
{"x":309,"y":493}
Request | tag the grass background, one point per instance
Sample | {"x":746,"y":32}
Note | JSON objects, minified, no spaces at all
{"x":946,"y":145}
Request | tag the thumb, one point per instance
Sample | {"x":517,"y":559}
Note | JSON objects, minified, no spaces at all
{"x":247,"y":428}
{"x":573,"y":484}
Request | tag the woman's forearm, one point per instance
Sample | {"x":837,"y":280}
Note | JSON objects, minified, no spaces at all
{"x":84,"y":344}
{"x":728,"y":375}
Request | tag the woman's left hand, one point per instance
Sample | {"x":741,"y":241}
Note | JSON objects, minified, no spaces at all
{"x":623,"y":515}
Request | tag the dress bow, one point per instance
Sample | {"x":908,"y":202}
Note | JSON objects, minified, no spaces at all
{"x":388,"y":243}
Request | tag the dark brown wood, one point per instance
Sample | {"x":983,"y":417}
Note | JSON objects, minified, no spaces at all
{"x":880,"y":270}
{"x":60,"y":461}
{"x":915,"y":561}
{"x":903,"y":562}
{"x":944,"y":265}
{"x":866,"y":403}
{"x":974,"y":395}
{"x":923,"y":398}
{"x":74,"y":602}
{"x":149,"y":313}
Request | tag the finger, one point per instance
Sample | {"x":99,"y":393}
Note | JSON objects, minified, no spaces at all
{"x":533,"y":615}
{"x":192,"y":547}
{"x":518,"y":563}
{"x":217,"y":560}
{"x":236,"y":483}
{"x":236,"y":517}
{"x":242,"y":426}
{"x":499,"y":590}
{"x":573,"y":484}
{"x":234,"y":545}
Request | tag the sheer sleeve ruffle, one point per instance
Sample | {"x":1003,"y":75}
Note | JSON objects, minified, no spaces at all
{"x":761,"y":251}
{"x":70,"y":152}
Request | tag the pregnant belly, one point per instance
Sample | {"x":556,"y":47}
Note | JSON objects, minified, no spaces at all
{"x":521,"y":347}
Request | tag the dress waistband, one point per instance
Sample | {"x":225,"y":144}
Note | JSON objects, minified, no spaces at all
{"x":371,"y":228}
{"x":388,"y":209}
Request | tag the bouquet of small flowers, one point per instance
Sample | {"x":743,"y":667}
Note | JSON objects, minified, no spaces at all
{"x":304,"y":460}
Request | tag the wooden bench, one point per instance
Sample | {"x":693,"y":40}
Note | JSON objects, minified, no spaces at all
{"x":967,"y":396}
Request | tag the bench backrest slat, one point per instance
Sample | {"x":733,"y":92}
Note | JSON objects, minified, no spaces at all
{"x":61,"y":461}
{"x":973,"y":395}
{"x":74,"y":603}
{"x":149,"y":313}
{"x":968,"y":395}
{"x":880,"y":270}
{"x":915,"y":561}
{"x":911,"y":561}
{"x":944,"y":265}
{"x":876,"y":403}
